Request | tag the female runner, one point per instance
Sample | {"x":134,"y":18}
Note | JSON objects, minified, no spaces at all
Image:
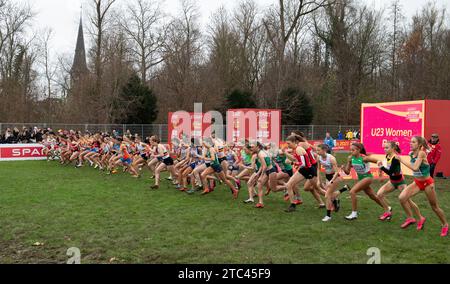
{"x":423,"y":182}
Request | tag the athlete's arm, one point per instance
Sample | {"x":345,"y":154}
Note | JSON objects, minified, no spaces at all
{"x":335,"y":168}
{"x":422,"y":157}
{"x":348,"y":166}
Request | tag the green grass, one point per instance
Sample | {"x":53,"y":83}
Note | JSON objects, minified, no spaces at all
{"x":119,"y":217}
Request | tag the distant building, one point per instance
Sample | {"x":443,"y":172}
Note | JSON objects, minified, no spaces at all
{"x":79,"y":66}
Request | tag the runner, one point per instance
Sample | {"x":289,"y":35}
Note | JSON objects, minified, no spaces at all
{"x":423,"y":182}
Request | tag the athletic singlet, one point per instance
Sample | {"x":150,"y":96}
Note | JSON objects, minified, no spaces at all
{"x":124,"y":151}
{"x":230,"y":157}
{"x":424,"y":170}
{"x":257,"y":164}
{"x":166,"y":154}
{"x":140,"y":149}
{"x":215,"y":160}
{"x":194,"y":153}
{"x":247,"y":159}
{"x":327,"y":164}
{"x":303,"y":160}
{"x":361,"y":168}
{"x":311,"y":157}
{"x":268,"y":160}
{"x":183,"y":153}
{"x":281,"y":160}
{"x":95,"y":145}
{"x":393,"y":169}
{"x":220,"y":152}
{"x":106,"y":148}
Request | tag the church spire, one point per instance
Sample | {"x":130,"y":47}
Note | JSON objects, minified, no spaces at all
{"x":79,"y":62}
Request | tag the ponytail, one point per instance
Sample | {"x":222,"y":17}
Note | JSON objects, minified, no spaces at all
{"x":361,"y":148}
{"x":395,"y":146}
{"x":423,"y":145}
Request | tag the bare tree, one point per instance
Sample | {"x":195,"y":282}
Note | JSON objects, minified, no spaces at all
{"x":281,"y":23}
{"x":144,"y":27}
{"x":396,"y":16}
{"x":49,"y":69}
{"x":99,"y":21}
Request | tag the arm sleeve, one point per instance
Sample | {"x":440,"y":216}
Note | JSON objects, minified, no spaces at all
{"x":395,"y":164}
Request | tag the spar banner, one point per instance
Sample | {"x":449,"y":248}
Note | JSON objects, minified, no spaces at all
{"x":21,"y":152}
{"x":189,"y":124}
{"x":263,"y":125}
{"x":396,"y":122}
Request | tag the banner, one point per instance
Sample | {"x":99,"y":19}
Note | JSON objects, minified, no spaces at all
{"x":396,"y":122}
{"x":21,"y":152}
{"x":341,"y":145}
{"x":263,"y":125}
{"x":195,"y":128}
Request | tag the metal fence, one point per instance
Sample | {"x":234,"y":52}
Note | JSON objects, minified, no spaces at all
{"x":313,"y":132}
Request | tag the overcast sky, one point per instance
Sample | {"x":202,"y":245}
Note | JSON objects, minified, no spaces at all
{"x":62,"y":16}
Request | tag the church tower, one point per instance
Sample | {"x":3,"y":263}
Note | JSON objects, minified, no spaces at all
{"x":79,"y":66}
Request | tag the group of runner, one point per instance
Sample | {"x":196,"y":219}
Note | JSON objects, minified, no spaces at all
{"x":201,"y":164}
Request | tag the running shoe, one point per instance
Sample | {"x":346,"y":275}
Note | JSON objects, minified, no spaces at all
{"x":444,"y":232}
{"x":207,"y":191}
{"x":386,"y":216}
{"x":286,"y":197}
{"x":259,"y":206}
{"x":326,"y":219}
{"x":351,"y":217}
{"x":190,"y":191}
{"x":155,"y":187}
{"x":249,"y":201}
{"x":152,"y":177}
{"x":298,"y":202}
{"x":421,"y":224}
{"x":408,"y":222}
{"x":292,"y":208}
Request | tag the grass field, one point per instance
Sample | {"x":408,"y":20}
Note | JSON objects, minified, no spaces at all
{"x":118,"y":219}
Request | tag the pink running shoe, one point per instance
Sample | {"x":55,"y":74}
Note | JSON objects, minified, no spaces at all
{"x":386,"y":216}
{"x":444,"y":232}
{"x":408,"y":223}
{"x":421,"y":224}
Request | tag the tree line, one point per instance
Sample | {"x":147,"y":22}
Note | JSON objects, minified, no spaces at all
{"x":316,"y":60}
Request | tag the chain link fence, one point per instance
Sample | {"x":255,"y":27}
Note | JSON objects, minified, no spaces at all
{"x":313,"y":132}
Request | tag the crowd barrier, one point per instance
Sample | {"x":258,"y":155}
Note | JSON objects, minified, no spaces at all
{"x":21,"y":152}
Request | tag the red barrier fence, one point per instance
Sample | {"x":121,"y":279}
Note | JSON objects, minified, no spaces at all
{"x":21,"y":152}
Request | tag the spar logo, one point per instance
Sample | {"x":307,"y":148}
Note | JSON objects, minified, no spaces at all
{"x":27,"y":152}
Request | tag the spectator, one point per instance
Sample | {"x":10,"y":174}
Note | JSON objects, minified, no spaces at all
{"x":329,"y":141}
{"x":340,"y":136}
{"x":435,"y":154}
{"x":8,"y":137}
{"x":349,"y":135}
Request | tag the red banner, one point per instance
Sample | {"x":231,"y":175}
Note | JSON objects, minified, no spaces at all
{"x":263,"y":125}
{"x":21,"y":152}
{"x":341,"y":145}
{"x":195,"y":128}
